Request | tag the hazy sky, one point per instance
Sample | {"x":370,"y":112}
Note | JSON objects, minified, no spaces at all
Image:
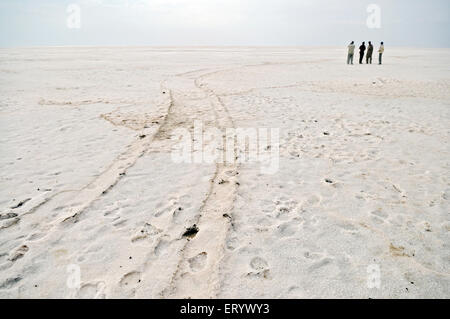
{"x":422,"y":23}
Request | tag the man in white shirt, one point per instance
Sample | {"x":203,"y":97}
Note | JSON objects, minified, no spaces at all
{"x":351,"y":52}
{"x":380,"y":53}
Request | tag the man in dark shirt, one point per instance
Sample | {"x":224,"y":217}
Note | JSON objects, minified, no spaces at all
{"x":362,"y":48}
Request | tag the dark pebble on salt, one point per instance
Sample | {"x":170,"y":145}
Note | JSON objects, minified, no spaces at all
{"x":191,"y":231}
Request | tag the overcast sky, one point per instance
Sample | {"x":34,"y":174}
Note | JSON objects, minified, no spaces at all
{"x":423,"y":23}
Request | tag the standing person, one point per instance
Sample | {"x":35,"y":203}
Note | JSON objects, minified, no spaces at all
{"x":380,"y":53}
{"x":369,"y":53}
{"x":362,"y":48}
{"x":351,"y":52}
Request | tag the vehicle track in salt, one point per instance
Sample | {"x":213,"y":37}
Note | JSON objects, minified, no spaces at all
{"x":76,"y":201}
{"x":202,"y":253}
{"x":200,"y":256}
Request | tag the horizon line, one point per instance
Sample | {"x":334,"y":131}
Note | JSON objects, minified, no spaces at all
{"x":207,"y":46}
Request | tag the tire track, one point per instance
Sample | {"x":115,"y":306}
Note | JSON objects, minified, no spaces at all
{"x":201,"y":256}
{"x":117,"y":170}
{"x":75,"y":202}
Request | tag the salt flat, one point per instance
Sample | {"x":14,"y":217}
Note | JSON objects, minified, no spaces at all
{"x":357,"y":208}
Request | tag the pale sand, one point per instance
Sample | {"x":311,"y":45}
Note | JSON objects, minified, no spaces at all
{"x":81,"y":185}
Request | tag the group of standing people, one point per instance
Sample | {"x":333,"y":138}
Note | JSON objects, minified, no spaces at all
{"x":362,"y":49}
